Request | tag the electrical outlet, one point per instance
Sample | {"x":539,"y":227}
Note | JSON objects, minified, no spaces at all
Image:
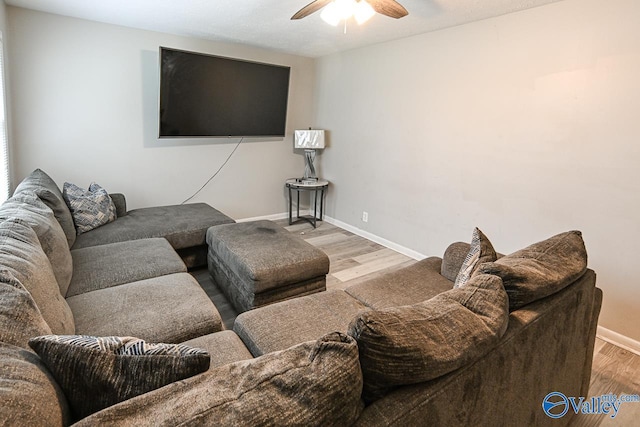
{"x":365,"y":216}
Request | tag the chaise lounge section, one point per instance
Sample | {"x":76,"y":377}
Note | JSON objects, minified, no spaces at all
{"x":183,"y":226}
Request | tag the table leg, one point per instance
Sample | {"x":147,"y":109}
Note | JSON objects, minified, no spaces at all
{"x":315,"y":207}
{"x":290,"y":203}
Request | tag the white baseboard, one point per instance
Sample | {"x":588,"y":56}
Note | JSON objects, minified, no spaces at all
{"x":619,"y":340}
{"x":370,"y":236}
{"x":355,"y":230}
{"x":272,"y":217}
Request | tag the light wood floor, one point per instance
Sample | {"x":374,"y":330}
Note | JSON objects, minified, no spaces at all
{"x":355,"y":259}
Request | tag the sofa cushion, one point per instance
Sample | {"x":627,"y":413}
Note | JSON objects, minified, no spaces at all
{"x":287,"y":323}
{"x":224,"y":347}
{"x":110,"y":370}
{"x":47,"y":190}
{"x":183,"y":226}
{"x":481,"y":251}
{"x":29,"y":396}
{"x":169,"y":309}
{"x":89,"y":208}
{"x":26,"y":205}
{"x":100,"y":267}
{"x":20,"y":318}
{"x":315,"y":383}
{"x":541,"y":269}
{"x":453,"y":258}
{"x":21,"y":254}
{"x":413,"y":344}
{"x":416,"y":283}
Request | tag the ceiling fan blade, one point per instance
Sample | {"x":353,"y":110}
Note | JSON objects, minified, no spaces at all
{"x":312,"y":7}
{"x":389,"y":8}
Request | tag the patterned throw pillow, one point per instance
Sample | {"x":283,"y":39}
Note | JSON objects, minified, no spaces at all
{"x":113,"y":369}
{"x":481,"y":251}
{"x":90,"y":208}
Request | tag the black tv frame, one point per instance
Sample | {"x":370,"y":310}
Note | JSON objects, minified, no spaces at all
{"x":236,"y":102}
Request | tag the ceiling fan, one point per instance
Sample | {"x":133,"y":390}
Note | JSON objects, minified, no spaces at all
{"x":361,"y":10}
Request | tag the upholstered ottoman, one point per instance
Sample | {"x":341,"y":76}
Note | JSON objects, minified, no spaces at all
{"x":258,"y":263}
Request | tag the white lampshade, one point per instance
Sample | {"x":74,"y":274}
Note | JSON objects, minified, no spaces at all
{"x":309,"y":139}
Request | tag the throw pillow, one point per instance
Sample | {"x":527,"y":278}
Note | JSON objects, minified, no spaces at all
{"x":90,"y":208}
{"x":481,"y":251}
{"x":20,"y":318}
{"x":47,"y":190}
{"x":452,"y":260}
{"x":113,"y":369}
{"x":22,"y":255}
{"x":317,"y":383}
{"x":26,"y":205}
{"x":541,"y":269}
{"x":421,"y":342}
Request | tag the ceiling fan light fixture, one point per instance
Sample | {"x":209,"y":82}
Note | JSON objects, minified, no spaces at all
{"x":334,"y":11}
{"x":330,"y":14}
{"x":345,"y":8}
{"x":362,"y":12}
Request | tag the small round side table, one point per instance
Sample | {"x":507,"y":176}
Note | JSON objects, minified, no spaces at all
{"x":318,"y":187}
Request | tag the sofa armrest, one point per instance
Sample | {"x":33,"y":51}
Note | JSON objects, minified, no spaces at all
{"x":120,"y":202}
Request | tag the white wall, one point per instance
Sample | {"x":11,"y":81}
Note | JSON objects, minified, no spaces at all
{"x":85,"y":109}
{"x":7,"y":104}
{"x":525,"y":125}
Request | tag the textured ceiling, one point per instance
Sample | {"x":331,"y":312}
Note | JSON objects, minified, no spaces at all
{"x":267,"y":24}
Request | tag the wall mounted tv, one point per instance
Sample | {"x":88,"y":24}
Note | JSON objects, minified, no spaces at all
{"x":212,"y":96}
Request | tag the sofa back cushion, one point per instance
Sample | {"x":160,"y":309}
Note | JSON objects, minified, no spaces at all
{"x":47,"y":190}
{"x":541,"y":269}
{"x":315,"y":383}
{"x":21,"y":254}
{"x":26,"y":205}
{"x":417,"y":343}
{"x":29,"y":396}
{"x":20,"y":318}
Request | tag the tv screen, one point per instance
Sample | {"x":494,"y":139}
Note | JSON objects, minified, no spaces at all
{"x":211,"y":96}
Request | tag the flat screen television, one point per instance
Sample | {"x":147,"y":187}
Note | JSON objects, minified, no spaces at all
{"x":212,"y":96}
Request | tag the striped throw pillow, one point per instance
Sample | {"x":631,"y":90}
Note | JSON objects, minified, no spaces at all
{"x":481,"y":251}
{"x":113,"y":369}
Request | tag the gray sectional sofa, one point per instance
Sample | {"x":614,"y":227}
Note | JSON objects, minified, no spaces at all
{"x":407,"y":348}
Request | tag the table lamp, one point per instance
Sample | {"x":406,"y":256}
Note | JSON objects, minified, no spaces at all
{"x":310,"y":140}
